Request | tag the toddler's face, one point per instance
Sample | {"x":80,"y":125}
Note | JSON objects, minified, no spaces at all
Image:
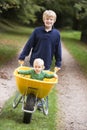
{"x":49,"y":21}
{"x":38,"y":68}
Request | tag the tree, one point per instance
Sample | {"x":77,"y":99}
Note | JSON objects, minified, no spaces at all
{"x":27,"y":11}
{"x":8,"y":4}
{"x":81,"y":8}
{"x":22,"y":10}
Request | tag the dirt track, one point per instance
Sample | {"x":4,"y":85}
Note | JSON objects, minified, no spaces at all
{"x":72,"y":92}
{"x":7,"y":83}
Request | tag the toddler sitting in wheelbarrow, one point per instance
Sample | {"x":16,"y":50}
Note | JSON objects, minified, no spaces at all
{"x":37,"y":71}
{"x":33,"y":97}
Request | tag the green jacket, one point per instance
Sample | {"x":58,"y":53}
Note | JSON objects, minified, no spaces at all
{"x":33,"y":74}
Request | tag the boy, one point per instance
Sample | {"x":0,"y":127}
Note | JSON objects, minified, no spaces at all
{"x":44,"y":42}
{"x":37,"y":71}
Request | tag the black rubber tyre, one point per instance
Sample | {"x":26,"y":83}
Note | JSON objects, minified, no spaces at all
{"x":27,"y":117}
{"x":30,"y":103}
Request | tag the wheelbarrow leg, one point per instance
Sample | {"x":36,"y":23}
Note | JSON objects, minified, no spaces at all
{"x":45,"y":105}
{"x":17,"y":100}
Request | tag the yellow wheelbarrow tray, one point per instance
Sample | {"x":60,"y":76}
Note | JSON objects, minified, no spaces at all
{"x":26,"y":85}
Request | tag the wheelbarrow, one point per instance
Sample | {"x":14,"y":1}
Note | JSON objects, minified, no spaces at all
{"x":32,"y":92}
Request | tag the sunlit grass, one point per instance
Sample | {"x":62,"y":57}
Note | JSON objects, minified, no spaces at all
{"x":71,"y":34}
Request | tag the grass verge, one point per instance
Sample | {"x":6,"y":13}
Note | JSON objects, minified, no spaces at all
{"x":12,"y":38}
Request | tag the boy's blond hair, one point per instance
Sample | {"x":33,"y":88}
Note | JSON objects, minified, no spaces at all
{"x":49,"y":13}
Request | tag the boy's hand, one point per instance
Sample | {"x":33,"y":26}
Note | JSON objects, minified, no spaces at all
{"x":56,"y":69}
{"x":21,"y":62}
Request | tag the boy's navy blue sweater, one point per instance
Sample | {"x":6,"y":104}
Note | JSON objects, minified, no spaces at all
{"x":44,"y":45}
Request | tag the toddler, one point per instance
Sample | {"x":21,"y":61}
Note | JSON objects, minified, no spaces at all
{"x":37,"y":71}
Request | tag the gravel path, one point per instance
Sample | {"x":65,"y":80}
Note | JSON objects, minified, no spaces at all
{"x":7,"y":82}
{"x":72,"y":92}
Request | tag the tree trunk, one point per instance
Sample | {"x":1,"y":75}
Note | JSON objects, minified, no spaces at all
{"x":84,"y":36}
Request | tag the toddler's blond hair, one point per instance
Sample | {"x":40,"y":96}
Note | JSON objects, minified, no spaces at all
{"x":49,"y":13}
{"x":38,"y":60}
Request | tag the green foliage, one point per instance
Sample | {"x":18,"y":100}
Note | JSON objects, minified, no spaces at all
{"x":81,"y":8}
{"x":7,"y":4}
{"x":27,"y":10}
{"x":81,"y":14}
{"x":22,"y":10}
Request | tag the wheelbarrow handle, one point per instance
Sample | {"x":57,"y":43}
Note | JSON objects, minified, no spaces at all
{"x":21,"y":62}
{"x":56,"y":69}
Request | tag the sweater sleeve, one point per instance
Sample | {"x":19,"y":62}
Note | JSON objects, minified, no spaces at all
{"x":25,"y":72}
{"x":58,"y":53}
{"x":27,"y":48}
{"x":48,"y":75}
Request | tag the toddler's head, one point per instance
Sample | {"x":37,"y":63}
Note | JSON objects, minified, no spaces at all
{"x":38,"y":65}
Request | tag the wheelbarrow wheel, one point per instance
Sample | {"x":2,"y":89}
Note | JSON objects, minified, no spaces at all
{"x":29,"y":106}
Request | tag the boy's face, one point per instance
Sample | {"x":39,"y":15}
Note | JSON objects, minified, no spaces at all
{"x":49,"y":21}
{"x":38,"y":68}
